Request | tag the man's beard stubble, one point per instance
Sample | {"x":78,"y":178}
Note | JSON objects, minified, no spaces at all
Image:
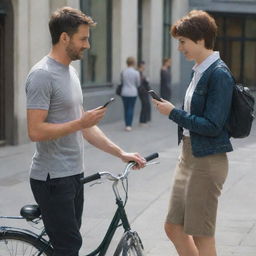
{"x":74,"y":54}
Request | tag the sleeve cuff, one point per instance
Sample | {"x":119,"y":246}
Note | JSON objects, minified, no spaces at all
{"x":174,"y":114}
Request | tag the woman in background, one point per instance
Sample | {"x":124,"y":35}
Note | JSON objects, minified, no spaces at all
{"x":165,"y":80}
{"x":131,"y":81}
{"x":145,"y":113}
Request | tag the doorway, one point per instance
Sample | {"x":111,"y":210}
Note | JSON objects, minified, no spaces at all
{"x":2,"y":84}
{"x":8,"y":129}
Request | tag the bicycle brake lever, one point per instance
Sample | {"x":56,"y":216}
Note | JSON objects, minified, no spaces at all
{"x":150,"y":163}
{"x":95,"y":183}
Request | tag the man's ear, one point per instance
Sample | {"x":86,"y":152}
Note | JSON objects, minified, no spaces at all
{"x":64,"y":37}
{"x":201,"y":42}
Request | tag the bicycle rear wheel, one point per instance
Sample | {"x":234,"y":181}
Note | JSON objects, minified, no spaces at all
{"x":130,"y":245}
{"x":18,"y":243}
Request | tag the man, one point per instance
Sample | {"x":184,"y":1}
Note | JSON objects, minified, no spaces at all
{"x":58,"y":124}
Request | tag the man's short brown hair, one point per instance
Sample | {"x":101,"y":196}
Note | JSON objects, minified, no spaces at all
{"x":67,"y":19}
{"x":196,"y":25}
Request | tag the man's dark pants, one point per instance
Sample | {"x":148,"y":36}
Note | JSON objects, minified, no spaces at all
{"x":61,"y":202}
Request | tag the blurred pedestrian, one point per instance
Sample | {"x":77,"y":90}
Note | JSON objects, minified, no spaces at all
{"x":131,"y":81}
{"x":165,"y":79}
{"x":145,"y":113}
{"x":203,"y":165}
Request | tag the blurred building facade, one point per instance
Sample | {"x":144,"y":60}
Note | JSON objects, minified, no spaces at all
{"x":138,"y":28}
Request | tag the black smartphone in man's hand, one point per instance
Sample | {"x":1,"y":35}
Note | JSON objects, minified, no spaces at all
{"x":108,"y":102}
{"x":154,"y":95}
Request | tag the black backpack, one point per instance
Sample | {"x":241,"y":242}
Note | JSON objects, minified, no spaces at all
{"x":242,"y":110}
{"x":241,"y":113}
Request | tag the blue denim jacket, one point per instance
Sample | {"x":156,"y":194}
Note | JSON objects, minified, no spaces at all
{"x":210,"y":107}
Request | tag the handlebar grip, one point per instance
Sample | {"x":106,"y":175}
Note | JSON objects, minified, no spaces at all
{"x":90,"y":178}
{"x":151,"y":157}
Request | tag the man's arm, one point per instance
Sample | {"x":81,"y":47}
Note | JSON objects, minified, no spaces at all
{"x":40,"y":130}
{"x":98,"y":139}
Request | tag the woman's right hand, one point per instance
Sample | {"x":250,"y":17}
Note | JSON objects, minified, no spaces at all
{"x":164,"y":107}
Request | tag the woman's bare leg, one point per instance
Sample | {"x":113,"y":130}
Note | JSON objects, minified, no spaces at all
{"x":183,"y":243}
{"x":205,"y":245}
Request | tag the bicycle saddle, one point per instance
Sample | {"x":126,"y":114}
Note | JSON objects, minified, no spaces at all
{"x":30,"y":211}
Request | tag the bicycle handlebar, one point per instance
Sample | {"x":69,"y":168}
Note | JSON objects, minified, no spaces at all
{"x":90,"y":178}
{"x":151,"y":157}
{"x":98,"y":175}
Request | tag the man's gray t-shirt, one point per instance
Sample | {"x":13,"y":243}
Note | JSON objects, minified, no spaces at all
{"x":56,"y":88}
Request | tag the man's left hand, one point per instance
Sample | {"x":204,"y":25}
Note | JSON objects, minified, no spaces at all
{"x":135,"y":157}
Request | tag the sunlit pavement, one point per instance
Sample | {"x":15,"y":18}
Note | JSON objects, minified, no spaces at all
{"x":148,"y":189}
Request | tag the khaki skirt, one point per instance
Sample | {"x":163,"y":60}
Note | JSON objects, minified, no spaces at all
{"x":197,"y":185}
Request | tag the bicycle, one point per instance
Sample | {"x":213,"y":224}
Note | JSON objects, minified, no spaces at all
{"x":18,"y":241}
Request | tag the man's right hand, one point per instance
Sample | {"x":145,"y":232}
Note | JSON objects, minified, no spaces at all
{"x":92,"y":117}
{"x":40,"y":130}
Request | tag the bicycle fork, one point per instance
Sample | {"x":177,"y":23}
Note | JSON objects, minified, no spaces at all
{"x":120,"y":214}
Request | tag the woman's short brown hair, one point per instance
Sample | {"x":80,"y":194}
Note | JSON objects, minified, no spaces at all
{"x":196,"y":25}
{"x":67,"y":20}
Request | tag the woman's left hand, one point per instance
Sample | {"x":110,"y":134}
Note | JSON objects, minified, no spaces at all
{"x":164,"y":107}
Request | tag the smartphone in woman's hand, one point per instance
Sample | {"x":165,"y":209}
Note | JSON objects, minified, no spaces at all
{"x":154,"y":95}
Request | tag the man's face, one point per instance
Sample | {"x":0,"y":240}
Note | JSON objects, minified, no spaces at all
{"x":78,"y":43}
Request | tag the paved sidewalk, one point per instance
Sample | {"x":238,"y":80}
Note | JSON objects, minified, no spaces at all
{"x":148,"y":189}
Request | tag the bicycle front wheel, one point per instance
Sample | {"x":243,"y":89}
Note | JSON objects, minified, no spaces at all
{"x":18,"y":243}
{"x":129,"y":245}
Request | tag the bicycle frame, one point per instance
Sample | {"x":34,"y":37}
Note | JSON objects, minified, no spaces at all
{"x":120,"y":214}
{"x":101,"y":250}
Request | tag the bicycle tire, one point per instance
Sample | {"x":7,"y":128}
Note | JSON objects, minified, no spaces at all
{"x":130,"y":245}
{"x":18,"y":243}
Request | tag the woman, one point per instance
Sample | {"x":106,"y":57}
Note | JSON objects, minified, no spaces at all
{"x":203,"y":164}
{"x":165,"y":79}
{"x":131,"y":81}
{"x":145,"y":113}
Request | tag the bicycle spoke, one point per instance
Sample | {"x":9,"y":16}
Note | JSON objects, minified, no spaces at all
{"x":17,"y":248}
{"x":132,"y":251}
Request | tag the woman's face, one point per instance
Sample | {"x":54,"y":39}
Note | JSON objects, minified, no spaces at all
{"x":189,"y":48}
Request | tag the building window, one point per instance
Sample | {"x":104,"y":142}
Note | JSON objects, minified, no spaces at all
{"x":96,"y":64}
{"x":236,"y":42}
{"x":140,"y":29}
{"x":166,"y":29}
{"x":2,"y":82}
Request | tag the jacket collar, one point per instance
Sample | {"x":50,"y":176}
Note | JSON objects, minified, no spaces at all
{"x":206,"y":75}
